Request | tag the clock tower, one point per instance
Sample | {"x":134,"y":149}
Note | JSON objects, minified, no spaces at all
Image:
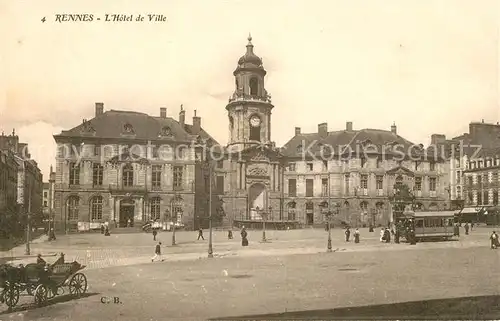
{"x":249,"y":108}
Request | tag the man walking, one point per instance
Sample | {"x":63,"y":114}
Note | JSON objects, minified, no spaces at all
{"x":200,"y":234}
{"x":157,"y":253}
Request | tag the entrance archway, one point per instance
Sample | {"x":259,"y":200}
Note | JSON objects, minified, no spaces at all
{"x":127,"y":210}
{"x":257,"y":200}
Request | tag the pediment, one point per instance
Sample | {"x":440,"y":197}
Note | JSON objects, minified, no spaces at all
{"x":261,"y":153}
{"x":128,"y":158}
{"x":401,"y":170}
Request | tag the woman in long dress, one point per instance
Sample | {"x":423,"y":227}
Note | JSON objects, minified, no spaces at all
{"x":382,"y":232}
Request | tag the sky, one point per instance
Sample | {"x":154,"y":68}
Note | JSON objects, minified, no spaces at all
{"x":429,"y":66}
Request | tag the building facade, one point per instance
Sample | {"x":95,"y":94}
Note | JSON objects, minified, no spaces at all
{"x":126,"y":168}
{"x":481,"y":179}
{"x":21,"y":181}
{"x":8,"y":183}
{"x":353,"y":172}
{"x":459,"y":150}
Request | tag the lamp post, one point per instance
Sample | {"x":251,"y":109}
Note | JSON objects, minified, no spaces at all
{"x":328,"y":218}
{"x":28,"y":226}
{"x":208,"y":178}
{"x":173,"y":217}
{"x":264,"y":216}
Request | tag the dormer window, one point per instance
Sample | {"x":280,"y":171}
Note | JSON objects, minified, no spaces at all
{"x":128,"y":129}
{"x":166,"y":131}
{"x":299,"y":149}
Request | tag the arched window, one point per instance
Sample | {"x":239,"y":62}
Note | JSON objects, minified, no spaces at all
{"x":73,"y":203}
{"x":291,"y":211}
{"x":459,"y":192}
{"x":96,"y":208}
{"x":155,"y":208}
{"x":128,"y":175}
{"x":231,"y":125}
{"x":254,"y":86}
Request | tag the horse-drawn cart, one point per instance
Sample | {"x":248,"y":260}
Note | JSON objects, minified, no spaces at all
{"x":41,"y":281}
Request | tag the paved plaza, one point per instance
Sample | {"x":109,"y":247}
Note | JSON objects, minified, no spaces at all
{"x":97,"y":251}
{"x":430,"y":282}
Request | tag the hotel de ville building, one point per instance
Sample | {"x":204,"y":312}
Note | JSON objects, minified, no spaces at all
{"x":102,"y":175}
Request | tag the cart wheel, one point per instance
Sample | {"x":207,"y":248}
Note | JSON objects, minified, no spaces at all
{"x":41,"y":295}
{"x":11,"y":294}
{"x":78,"y":284}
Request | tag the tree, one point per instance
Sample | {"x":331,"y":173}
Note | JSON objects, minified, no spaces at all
{"x":401,"y":198}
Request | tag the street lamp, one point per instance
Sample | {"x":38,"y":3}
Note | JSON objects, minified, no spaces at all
{"x":208,"y":177}
{"x":264,"y":216}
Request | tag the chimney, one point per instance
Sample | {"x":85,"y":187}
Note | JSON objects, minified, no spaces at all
{"x":323,"y":129}
{"x":394,"y":129}
{"x":163,"y":112}
{"x":182,"y":117}
{"x":297,"y":131}
{"x":437,"y":139}
{"x":196,"y":124}
{"x":348,"y":126}
{"x":99,"y":109}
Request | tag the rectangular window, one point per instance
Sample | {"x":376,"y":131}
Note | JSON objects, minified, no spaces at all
{"x":432,"y":184}
{"x":292,"y":187}
{"x":324,"y":187}
{"x":309,"y":187}
{"x":479,"y":198}
{"x":97,"y":150}
{"x":220,"y":185}
{"x":418,"y":183}
{"x":432,"y":166}
{"x":97,"y":173}
{"x":486,"y":197}
{"x":494,"y":177}
{"x":178,"y":171}
{"x":479,"y":179}
{"x":74,"y":174}
{"x":310,"y":167}
{"x":364,"y":181}
{"x":291,"y":167}
{"x":45,"y":204}
{"x":459,"y":174}
{"x":363,"y":162}
{"x":156,"y":176}
{"x":325,"y":166}
{"x":380,"y":182}
{"x":45,"y":194}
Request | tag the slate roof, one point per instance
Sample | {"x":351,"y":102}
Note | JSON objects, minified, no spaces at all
{"x":111,"y":124}
{"x":356,"y":139}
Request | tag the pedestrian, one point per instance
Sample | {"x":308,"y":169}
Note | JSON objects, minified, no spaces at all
{"x":382,"y":235}
{"x":456,"y":230}
{"x":230,"y":235}
{"x":154,"y":234}
{"x":39,"y":260}
{"x":471,"y":226}
{"x":129,"y":223}
{"x":387,"y":236}
{"x":356,"y":236}
{"x":244,"y":234}
{"x":200,"y":234}
{"x":106,"y":231}
{"x":397,"y":234}
{"x":347,"y":234}
{"x":157,"y":253}
{"x":102,"y":228}
{"x":52,"y":235}
{"x":466,"y":227}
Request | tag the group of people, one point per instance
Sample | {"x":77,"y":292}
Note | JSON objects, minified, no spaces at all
{"x":348,"y":235}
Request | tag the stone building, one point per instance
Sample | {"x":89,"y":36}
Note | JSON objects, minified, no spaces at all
{"x":127,"y":168}
{"x":8,"y":182}
{"x":353,"y":172}
{"x":481,"y":179}
{"x":29,"y":177}
{"x":459,"y":151}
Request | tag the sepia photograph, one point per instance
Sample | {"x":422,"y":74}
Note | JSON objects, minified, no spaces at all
{"x":262,"y":160}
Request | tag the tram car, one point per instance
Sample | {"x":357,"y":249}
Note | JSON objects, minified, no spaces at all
{"x":431,"y":225}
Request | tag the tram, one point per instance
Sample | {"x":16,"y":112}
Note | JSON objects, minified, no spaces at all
{"x":431,"y":225}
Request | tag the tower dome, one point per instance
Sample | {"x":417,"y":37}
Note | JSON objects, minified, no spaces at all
{"x":249,"y":59}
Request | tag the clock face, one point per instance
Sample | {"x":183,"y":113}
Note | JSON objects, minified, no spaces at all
{"x":255,"y":121}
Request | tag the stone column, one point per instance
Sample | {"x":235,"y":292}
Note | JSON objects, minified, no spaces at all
{"x":139,"y":207}
{"x":112,"y":206}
